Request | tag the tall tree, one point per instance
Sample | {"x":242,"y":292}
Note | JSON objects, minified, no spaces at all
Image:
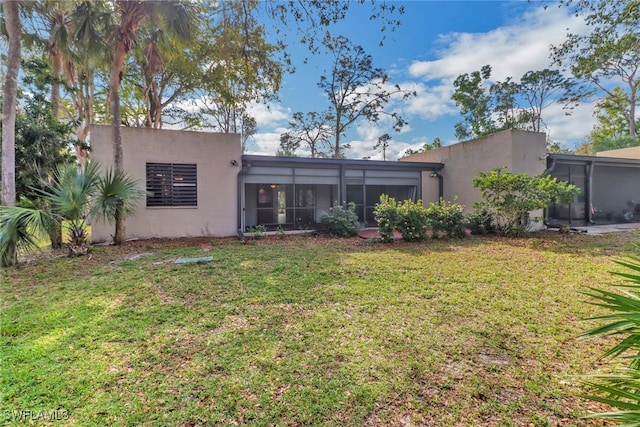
{"x":176,"y":17}
{"x":470,"y":95}
{"x":609,"y":51}
{"x":611,"y":114}
{"x":504,"y":104}
{"x":611,"y":130}
{"x":313,"y":129}
{"x":42,"y":140}
{"x":489,"y":107}
{"x":356,"y":89}
{"x":13,"y":27}
{"x":48,"y":26}
{"x":383,"y":144}
{"x":540,"y":89}
{"x":288,"y":146}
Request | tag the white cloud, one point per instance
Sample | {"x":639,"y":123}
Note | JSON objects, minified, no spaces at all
{"x":268,"y":115}
{"x":429,"y":102}
{"x":569,"y":130}
{"x":265,"y":143}
{"x":511,"y":50}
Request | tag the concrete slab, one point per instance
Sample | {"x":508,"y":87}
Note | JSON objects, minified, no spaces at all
{"x":596,"y":230}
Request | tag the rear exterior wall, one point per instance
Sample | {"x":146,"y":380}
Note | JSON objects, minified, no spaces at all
{"x":216,"y":212}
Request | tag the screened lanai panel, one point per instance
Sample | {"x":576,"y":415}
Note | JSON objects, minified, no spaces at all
{"x":575,"y":212}
{"x":615,"y":194}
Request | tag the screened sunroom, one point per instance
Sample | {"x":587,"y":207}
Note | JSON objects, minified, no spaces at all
{"x":291,"y":193}
{"x":610,"y":190}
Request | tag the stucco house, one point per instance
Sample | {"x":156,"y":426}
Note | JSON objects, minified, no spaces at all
{"x":200,"y":184}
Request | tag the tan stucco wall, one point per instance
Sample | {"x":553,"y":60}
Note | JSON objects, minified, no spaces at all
{"x":518,"y":151}
{"x":216,"y":213}
{"x":623,"y":153}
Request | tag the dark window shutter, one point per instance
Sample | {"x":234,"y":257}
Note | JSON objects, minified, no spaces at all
{"x":172,"y":184}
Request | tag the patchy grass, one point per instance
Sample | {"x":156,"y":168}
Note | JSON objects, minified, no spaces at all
{"x":306,"y":331}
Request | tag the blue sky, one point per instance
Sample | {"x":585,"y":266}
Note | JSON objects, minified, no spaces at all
{"x":437,"y":41}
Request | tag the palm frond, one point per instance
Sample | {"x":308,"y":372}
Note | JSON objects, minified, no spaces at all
{"x":20,"y":230}
{"x":621,"y":388}
{"x":116,"y":191}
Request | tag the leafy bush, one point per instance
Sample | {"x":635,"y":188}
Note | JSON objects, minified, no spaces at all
{"x":386,"y":213}
{"x":481,"y":220}
{"x":620,"y":388}
{"x":511,"y":197}
{"x":412,"y":221}
{"x":446,"y":217}
{"x":341,"y":222}
{"x":257,"y":231}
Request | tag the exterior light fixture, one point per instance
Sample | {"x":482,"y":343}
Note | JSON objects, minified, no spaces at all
{"x":273,"y":185}
{"x":434,"y":174}
{"x":233,"y":162}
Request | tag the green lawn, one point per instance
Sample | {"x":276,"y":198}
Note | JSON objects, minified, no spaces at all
{"x":307,"y":331}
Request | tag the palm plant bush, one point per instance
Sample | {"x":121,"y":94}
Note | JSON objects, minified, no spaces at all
{"x":620,"y":388}
{"x":74,"y":197}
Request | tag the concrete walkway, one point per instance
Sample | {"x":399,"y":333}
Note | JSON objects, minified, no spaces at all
{"x":596,"y":230}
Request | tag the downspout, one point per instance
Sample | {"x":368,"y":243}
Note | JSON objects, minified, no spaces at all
{"x":551,"y":165}
{"x":436,"y":174}
{"x":241,"y":210}
{"x":587,"y":196}
{"x":342,"y":191}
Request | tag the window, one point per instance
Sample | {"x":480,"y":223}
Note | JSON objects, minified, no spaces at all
{"x":172,"y":184}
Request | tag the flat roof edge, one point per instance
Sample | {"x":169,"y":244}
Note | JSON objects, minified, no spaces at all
{"x":594,"y":159}
{"x":307,"y":161}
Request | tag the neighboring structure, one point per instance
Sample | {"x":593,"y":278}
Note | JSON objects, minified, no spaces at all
{"x":624,"y":153}
{"x":199,"y":184}
{"x":516,"y":150}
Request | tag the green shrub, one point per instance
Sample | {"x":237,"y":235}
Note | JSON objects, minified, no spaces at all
{"x":481,"y":220}
{"x":511,"y":197}
{"x":257,"y":231}
{"x":341,"y":222}
{"x":447,"y":218}
{"x":620,"y":388}
{"x":412,"y":221}
{"x":386,"y":213}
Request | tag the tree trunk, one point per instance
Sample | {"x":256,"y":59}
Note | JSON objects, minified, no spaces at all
{"x":336,"y":153}
{"x":55,"y":235}
{"x":117,"y":70}
{"x":632,"y":113}
{"x":14,"y":29}
{"x":56,"y":70}
{"x":120,"y":234}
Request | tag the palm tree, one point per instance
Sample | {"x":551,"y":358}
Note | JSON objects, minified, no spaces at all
{"x":171,"y":16}
{"x":74,"y":197}
{"x":14,"y":30}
